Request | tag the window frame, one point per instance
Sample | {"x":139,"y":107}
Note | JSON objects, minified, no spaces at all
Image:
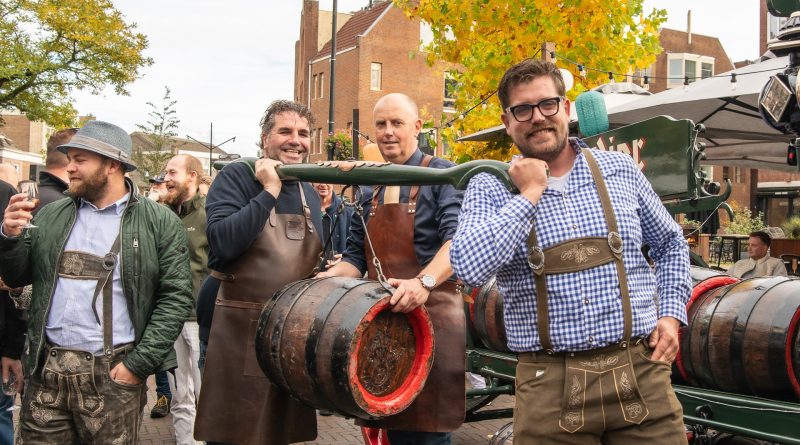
{"x":675,"y":81}
{"x":372,"y":71}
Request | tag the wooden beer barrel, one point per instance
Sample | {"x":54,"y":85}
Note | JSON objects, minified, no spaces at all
{"x":334,"y":343}
{"x":703,"y":280}
{"x":486,"y":316}
{"x":743,"y":337}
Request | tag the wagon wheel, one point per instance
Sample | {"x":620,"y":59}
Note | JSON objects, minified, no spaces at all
{"x":503,"y":436}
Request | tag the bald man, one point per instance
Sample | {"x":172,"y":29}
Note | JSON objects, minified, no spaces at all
{"x":416,"y":261}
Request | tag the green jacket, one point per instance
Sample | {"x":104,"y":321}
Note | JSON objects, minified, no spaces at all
{"x":155,"y":276}
{"x":193,"y":218}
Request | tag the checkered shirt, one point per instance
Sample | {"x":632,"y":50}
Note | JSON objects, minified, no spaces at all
{"x":585,"y":307}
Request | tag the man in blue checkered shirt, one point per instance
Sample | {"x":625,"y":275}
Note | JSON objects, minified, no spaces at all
{"x":595,"y":327}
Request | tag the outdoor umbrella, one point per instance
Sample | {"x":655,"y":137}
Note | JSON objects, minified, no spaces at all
{"x":735,"y":133}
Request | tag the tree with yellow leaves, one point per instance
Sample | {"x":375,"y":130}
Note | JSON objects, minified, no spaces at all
{"x":48,"y":48}
{"x":486,"y":37}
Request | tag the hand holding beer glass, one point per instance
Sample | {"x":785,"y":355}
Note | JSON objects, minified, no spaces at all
{"x":31,"y":190}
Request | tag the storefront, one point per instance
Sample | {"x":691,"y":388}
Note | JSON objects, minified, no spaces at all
{"x":778,"y":201}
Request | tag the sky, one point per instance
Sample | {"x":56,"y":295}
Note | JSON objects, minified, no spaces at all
{"x":226,"y":61}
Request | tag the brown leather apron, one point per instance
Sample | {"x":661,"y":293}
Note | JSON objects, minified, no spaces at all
{"x":440,"y":407}
{"x":587,"y":369}
{"x":237,"y":403}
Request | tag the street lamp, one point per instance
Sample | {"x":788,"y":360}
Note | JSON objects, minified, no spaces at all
{"x":210,"y":146}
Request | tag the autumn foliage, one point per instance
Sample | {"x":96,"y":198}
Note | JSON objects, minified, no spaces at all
{"x":486,"y":37}
{"x":49,"y":48}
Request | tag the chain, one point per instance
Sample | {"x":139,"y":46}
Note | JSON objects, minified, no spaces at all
{"x":375,"y":261}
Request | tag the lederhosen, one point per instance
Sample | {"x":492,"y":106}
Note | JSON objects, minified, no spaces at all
{"x":76,"y":381}
{"x":237,"y":402}
{"x":440,"y":407}
{"x":585,"y":368}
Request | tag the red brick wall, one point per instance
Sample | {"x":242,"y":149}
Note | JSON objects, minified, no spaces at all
{"x":305,"y":49}
{"x":677,"y":42}
{"x":18,"y":129}
{"x":389,"y":42}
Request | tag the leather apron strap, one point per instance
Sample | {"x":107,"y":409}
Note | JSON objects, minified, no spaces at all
{"x":412,"y":194}
{"x":239,"y":405}
{"x":77,"y":265}
{"x":579,"y":254}
{"x":434,"y":410}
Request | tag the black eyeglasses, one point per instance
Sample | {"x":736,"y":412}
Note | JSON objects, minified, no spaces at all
{"x":524,"y":112}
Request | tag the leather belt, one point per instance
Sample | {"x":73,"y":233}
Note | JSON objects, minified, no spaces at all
{"x":635,"y":344}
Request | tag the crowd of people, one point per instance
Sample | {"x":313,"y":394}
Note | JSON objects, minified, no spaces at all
{"x":124,"y":286}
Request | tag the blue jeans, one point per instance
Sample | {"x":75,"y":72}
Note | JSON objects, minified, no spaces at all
{"x":6,"y":420}
{"x":162,"y":385}
{"x":397,"y":437}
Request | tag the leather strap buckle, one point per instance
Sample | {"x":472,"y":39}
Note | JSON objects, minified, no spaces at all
{"x":109,"y":261}
{"x":536,"y":259}
{"x":615,"y":243}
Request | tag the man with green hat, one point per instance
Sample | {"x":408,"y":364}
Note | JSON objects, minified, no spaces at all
{"x":111,"y":291}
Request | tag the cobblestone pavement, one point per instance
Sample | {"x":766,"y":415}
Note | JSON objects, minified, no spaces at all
{"x":332,"y":430}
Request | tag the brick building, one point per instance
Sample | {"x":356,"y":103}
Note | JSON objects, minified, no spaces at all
{"x":23,"y":144}
{"x":180,"y":146}
{"x":685,"y":55}
{"x":377,"y":52}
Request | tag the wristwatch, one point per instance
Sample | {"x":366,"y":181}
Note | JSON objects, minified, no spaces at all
{"x":428,"y":281}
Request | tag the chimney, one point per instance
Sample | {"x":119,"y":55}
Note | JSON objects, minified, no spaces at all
{"x":689,"y":26}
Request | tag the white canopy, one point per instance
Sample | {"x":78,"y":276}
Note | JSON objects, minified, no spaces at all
{"x":735,"y":133}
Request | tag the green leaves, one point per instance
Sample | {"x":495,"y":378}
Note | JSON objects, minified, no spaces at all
{"x":52,"y":47}
{"x":484,"y":38}
{"x":159,"y":130}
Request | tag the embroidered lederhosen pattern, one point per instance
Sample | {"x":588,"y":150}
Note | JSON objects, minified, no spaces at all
{"x":580,"y":373}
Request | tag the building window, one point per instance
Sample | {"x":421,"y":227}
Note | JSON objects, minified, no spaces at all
{"x":450,"y":88}
{"x":682,"y":65}
{"x":320,"y":142}
{"x":706,"y":70}
{"x":321,"y":93}
{"x":690,"y":69}
{"x":737,"y":175}
{"x":375,"y":76}
{"x":315,"y":86}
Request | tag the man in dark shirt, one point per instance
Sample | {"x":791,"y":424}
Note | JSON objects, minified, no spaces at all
{"x":255,"y":250}
{"x":54,"y":179}
{"x":335,"y":225}
{"x":423,"y":220}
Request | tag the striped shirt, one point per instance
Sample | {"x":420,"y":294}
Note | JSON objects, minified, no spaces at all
{"x":585,"y":307}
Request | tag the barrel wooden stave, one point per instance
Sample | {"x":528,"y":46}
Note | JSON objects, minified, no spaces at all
{"x":486,"y":316}
{"x":741,"y":338}
{"x":308,"y":339}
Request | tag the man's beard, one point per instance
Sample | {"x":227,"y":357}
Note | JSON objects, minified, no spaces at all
{"x":91,"y":188}
{"x":178,"y":194}
{"x":547,"y":153}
